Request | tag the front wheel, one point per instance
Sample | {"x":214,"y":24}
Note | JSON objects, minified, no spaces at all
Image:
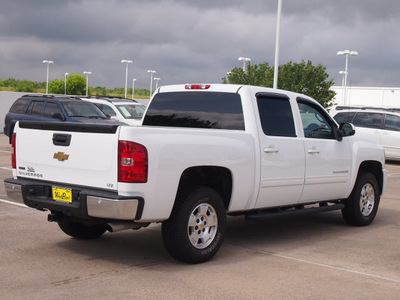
{"x":194,"y":232}
{"x":81,"y":231}
{"x":362,"y":205}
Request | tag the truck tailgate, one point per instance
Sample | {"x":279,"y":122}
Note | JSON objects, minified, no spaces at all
{"x":76,"y":154}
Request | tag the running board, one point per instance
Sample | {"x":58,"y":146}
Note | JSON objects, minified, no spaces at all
{"x":298,"y":210}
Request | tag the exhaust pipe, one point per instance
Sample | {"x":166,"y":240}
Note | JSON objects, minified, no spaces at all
{"x":123,"y":225}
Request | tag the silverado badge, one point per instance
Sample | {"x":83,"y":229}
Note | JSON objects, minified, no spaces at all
{"x":61,"y":156}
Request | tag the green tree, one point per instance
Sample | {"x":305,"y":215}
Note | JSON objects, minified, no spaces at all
{"x":25,"y":86}
{"x":56,"y":86}
{"x":304,"y":78}
{"x":76,"y":85}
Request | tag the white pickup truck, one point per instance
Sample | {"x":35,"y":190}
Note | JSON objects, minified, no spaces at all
{"x":202,"y":152}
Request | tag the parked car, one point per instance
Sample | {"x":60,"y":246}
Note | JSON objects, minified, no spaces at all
{"x":378,"y":124}
{"x":51,"y":109}
{"x":124,"y":110}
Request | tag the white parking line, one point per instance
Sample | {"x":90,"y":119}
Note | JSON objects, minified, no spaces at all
{"x":13,"y":203}
{"x":6,"y":168}
{"x":5,"y":151}
{"x":322,"y":265}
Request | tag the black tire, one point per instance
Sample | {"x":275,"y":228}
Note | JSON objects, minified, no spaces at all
{"x":195,"y":230}
{"x":362,"y":205}
{"x":81,"y":231}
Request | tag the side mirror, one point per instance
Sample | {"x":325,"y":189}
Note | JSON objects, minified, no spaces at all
{"x":57,"y":116}
{"x":347,"y":129}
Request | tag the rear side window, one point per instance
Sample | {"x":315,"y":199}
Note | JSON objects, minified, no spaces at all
{"x":368,"y":120}
{"x":344,"y":117}
{"x":106,"y":109}
{"x":392,"y":122}
{"x":19,"y":106}
{"x":197,"y":110}
{"x":35,"y":108}
{"x":276,"y":116}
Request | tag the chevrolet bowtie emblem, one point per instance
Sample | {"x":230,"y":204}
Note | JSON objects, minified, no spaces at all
{"x":61,"y":156}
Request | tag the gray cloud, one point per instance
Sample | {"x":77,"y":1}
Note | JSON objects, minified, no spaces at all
{"x":195,"y":41}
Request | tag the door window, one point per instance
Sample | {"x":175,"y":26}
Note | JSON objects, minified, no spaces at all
{"x":276,"y":116}
{"x":368,"y":120}
{"x":51,"y":109}
{"x":392,"y":122}
{"x":316,"y":123}
{"x":35,"y":108}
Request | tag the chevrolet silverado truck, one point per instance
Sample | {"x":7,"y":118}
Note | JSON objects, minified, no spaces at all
{"x":202,"y":152}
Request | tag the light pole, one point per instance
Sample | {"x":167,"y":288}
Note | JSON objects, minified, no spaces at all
{"x":151,"y":79}
{"x":278,"y":32}
{"x":48,"y":62}
{"x":127,"y":62}
{"x":346,"y":53}
{"x":342,"y":73}
{"x":65,"y":82}
{"x":157,"y":80}
{"x":245,"y":59}
{"x":133,"y":87}
{"x":87,"y":81}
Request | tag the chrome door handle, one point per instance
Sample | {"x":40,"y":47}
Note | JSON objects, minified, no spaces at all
{"x":313,"y":151}
{"x":271,"y":149}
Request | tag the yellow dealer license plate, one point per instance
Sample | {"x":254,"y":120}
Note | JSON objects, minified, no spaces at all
{"x":62,"y":194}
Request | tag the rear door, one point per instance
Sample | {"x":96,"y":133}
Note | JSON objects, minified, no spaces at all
{"x":282,"y":152}
{"x":390,"y":137}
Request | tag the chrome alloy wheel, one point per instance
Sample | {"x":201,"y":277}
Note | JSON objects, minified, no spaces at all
{"x":367,"y":199}
{"x":202,"y":226}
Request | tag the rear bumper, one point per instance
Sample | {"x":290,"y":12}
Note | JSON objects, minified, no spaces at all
{"x":86,"y":203}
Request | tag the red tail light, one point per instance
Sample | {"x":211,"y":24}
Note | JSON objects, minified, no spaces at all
{"x":197,"y":86}
{"x":13,"y":152}
{"x":132,"y":162}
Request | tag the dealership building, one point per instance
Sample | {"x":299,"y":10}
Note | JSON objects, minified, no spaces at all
{"x":368,"y":96}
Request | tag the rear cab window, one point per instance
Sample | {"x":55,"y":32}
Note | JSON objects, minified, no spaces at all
{"x":212,"y":110}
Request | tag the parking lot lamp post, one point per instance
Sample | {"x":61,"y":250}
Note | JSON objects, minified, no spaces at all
{"x":346,"y":53}
{"x":342,"y":73}
{"x":245,"y":60}
{"x":65,"y":82}
{"x":87,"y":81}
{"x":48,"y":62}
{"x":127,"y":62}
{"x":133,"y":88}
{"x":157,"y":80}
{"x":277,"y":38}
{"x":151,"y":79}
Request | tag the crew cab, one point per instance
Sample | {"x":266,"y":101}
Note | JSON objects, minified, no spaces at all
{"x":203,"y":152}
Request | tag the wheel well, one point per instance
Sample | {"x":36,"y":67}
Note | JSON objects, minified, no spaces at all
{"x":217,"y":178}
{"x":375,"y":168}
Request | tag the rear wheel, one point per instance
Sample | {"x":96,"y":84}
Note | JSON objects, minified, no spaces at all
{"x":362,"y":205}
{"x":81,"y":231}
{"x":195,"y":230}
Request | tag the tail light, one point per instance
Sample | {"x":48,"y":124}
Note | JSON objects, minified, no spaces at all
{"x":197,"y":86}
{"x":13,"y":151}
{"x":132,"y":162}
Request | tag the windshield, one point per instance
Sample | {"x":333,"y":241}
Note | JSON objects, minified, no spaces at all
{"x":131,"y":111}
{"x":83,"y":109}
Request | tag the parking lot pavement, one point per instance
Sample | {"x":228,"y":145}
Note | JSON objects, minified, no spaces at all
{"x":310,"y":257}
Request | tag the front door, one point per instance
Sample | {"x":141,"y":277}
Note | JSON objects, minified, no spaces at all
{"x":328,"y":161}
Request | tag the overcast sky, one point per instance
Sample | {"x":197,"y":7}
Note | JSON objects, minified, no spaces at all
{"x":196,"y":41}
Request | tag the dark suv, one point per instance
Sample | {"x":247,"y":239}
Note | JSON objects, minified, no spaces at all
{"x":52,"y":109}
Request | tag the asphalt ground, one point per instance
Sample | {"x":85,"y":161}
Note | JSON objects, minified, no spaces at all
{"x":309,"y":257}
